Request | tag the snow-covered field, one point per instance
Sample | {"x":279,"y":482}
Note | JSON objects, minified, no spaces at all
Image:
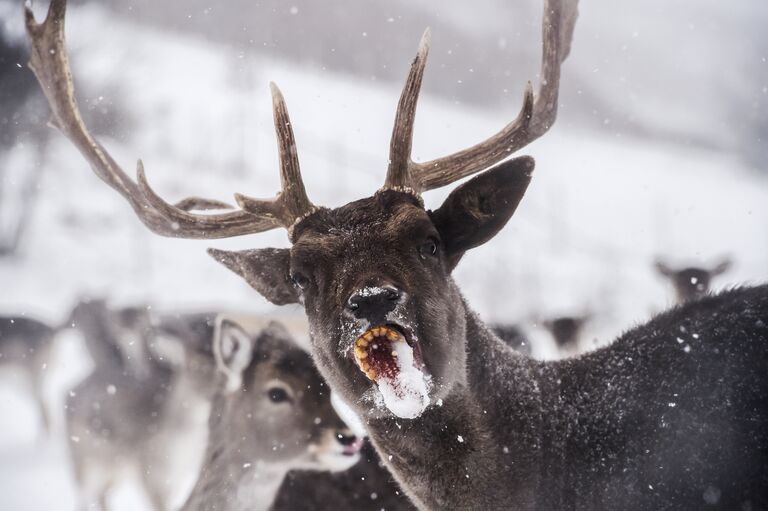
{"x":599,"y":210}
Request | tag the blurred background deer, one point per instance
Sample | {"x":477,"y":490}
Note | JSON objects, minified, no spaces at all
{"x":26,"y":345}
{"x":567,"y":332}
{"x":142,"y":413}
{"x":691,"y":282}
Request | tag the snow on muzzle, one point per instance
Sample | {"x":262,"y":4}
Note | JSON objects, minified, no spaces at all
{"x":386,"y":358}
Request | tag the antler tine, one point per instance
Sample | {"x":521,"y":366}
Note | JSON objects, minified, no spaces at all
{"x":444,"y":171}
{"x":557,"y":34}
{"x":535,"y":117}
{"x":223,"y":225}
{"x":291,"y":204}
{"x":50,"y":63}
{"x":200,"y":204}
{"x":398,"y":172}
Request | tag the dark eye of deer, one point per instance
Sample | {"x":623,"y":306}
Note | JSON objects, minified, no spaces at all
{"x":278,"y":395}
{"x":428,"y":248}
{"x":300,"y":280}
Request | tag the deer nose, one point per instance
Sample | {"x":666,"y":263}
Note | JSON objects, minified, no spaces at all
{"x":346,"y":438}
{"x":373,"y":303}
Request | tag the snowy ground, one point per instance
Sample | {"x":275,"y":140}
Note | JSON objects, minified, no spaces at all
{"x":598,"y":211}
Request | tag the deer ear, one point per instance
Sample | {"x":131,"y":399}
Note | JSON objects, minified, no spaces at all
{"x":267,"y":270}
{"x":721,"y":268}
{"x":233,"y":351}
{"x":474,"y":212}
{"x":663,"y":269}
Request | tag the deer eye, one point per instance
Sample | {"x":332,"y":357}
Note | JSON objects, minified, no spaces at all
{"x":278,"y":395}
{"x":300,"y":280}
{"x":428,"y":248}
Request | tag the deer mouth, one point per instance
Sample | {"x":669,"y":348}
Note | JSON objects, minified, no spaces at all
{"x":392,"y":359}
{"x":352,"y":449}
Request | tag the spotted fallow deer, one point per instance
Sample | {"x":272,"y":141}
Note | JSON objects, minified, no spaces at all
{"x":671,"y":415}
{"x":691,"y":282}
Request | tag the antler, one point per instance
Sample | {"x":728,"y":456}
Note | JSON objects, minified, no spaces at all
{"x":291,"y":204}
{"x":50,"y":63}
{"x":535,"y":117}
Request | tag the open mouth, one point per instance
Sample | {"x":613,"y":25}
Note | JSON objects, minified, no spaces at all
{"x":353,"y":449}
{"x":376,"y":352}
{"x":337,"y":460}
{"x":393,"y":361}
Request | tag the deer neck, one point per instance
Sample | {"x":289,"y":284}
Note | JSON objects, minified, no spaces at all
{"x":186,"y":404}
{"x":230,"y":478}
{"x":478,"y":427}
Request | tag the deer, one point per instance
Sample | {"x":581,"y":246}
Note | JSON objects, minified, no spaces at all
{"x":692,"y":282}
{"x":140,"y":418}
{"x":27,"y":344}
{"x":671,"y":414}
{"x":514,"y":336}
{"x":272,"y":413}
{"x":566,"y":331}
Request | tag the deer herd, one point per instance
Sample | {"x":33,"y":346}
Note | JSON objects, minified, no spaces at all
{"x":209,"y":413}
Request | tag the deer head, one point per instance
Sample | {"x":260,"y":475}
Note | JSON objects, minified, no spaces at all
{"x":566,"y":330}
{"x":274,"y":392}
{"x":374,"y":276}
{"x":691,"y":283}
